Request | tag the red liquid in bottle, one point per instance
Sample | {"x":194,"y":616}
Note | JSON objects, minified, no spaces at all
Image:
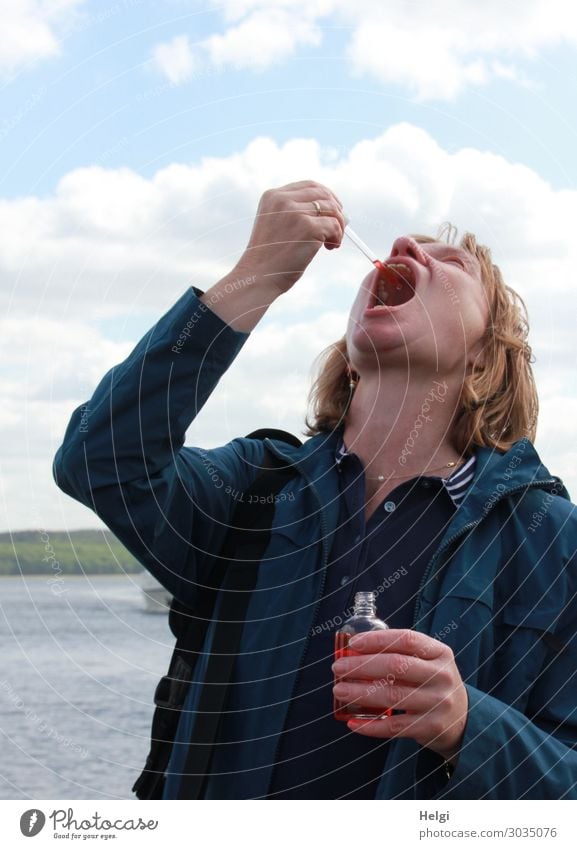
{"x":342,"y":710}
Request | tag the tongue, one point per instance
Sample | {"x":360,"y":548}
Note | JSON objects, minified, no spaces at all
{"x":399,"y":290}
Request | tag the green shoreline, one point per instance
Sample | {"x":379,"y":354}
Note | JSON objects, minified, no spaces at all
{"x":45,"y":552}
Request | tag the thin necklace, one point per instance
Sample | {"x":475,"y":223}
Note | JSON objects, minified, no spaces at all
{"x":450,"y":465}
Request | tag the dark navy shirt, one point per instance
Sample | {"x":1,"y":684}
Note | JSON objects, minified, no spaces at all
{"x":319,"y":757}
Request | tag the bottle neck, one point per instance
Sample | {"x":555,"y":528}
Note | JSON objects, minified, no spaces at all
{"x":365,"y":604}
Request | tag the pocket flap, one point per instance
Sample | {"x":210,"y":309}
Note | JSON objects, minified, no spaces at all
{"x":540,"y":618}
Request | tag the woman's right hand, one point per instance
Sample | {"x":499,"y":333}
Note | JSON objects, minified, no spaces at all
{"x":288,"y":232}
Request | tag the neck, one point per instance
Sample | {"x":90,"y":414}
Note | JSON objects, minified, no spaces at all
{"x":399,"y":429}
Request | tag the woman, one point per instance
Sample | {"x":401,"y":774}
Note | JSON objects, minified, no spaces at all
{"x":419,"y":482}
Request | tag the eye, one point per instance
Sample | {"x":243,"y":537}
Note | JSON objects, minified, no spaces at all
{"x":457,"y":260}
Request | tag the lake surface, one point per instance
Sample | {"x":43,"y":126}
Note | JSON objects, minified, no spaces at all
{"x":80,"y":660}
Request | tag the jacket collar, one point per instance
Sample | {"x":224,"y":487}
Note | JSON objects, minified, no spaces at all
{"x":497,"y":475}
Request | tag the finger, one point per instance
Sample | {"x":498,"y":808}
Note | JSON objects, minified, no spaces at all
{"x":332,"y":234}
{"x":331,"y":219}
{"x":318,"y":207}
{"x":326,"y":231}
{"x":287,"y":197}
{"x":392,"y":667}
{"x":379,"y":694}
{"x":400,"y":640}
{"x":301,"y":184}
{"x":312,"y":191}
{"x":398,"y":725}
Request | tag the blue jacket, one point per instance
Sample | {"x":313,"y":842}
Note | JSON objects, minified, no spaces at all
{"x":500,"y":589}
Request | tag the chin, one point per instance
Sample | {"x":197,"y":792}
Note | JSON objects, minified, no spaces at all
{"x":375,"y":344}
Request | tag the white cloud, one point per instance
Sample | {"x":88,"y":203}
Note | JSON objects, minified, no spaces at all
{"x":113,"y":243}
{"x":556,"y":437}
{"x":174,"y":59}
{"x":112,"y":240}
{"x":433,"y":50}
{"x":29,"y":30}
{"x":423,"y":59}
{"x":73,"y":355}
{"x":264,"y":38}
{"x":49,"y":367}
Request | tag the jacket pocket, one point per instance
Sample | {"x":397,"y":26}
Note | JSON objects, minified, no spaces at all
{"x":523,"y":639}
{"x":464,"y":621}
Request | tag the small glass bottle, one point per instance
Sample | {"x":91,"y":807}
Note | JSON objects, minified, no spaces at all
{"x":364,"y":618}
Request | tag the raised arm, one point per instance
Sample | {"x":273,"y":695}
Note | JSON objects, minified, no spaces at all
{"x":123,"y":453}
{"x":291,"y":224}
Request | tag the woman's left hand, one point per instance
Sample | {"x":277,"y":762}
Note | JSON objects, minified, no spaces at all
{"x":407,"y":670}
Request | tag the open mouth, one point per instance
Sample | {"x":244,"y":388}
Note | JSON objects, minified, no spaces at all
{"x":395,"y":285}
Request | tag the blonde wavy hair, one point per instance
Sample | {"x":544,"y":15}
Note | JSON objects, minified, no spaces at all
{"x":498,"y":404}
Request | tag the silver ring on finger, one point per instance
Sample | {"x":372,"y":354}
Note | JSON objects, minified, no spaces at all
{"x":317,"y":206}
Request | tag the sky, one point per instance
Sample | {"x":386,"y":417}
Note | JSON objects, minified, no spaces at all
{"x":136,"y":138}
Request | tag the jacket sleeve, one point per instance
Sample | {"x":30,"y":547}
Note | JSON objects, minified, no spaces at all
{"x":123,"y":455}
{"x":506,"y":754}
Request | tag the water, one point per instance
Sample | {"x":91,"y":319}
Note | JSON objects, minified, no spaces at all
{"x":80,"y":660}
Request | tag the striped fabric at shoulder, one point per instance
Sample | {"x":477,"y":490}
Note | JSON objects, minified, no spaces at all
{"x":458,"y":484}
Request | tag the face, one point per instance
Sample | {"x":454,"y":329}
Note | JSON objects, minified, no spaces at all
{"x":426,"y":307}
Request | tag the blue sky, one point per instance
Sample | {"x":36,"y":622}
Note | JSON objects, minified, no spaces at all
{"x":100,"y":101}
{"x":136,"y":137}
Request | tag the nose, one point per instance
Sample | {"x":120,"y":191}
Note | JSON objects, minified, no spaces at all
{"x":405,"y":246}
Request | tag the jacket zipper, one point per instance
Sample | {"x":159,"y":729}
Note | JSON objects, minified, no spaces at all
{"x":468,"y":527}
{"x":463,"y":530}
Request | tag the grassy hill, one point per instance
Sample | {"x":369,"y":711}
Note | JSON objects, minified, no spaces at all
{"x":61,"y":552}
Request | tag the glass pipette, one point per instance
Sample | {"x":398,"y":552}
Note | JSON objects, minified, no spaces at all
{"x":364,"y":249}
